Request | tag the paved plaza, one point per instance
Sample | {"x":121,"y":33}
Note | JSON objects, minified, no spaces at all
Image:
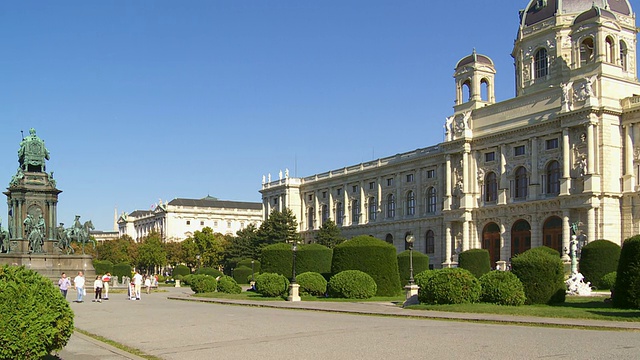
{"x":174,"y":329}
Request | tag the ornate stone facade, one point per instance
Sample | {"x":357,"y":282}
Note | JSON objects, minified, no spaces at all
{"x":514,"y":174}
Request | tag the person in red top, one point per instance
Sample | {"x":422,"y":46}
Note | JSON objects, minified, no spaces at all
{"x":105,"y":281}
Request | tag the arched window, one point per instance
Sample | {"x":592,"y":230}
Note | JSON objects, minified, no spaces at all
{"x":610,"y":50}
{"x":430,"y":247}
{"x":431,"y":200}
{"x":389,"y":238}
{"x":391,"y":206}
{"x":355,"y":212}
{"x":325,"y":213}
{"x":541,"y":64}
{"x":484,"y":90}
{"x":411,"y":203}
{"x":490,"y":187}
{"x":466,"y":91}
{"x":339,"y":214}
{"x":553,"y":178}
{"x":310,"y":219}
{"x":373,"y":209}
{"x":586,"y":51}
{"x":521,"y":182}
{"x":623,"y":55}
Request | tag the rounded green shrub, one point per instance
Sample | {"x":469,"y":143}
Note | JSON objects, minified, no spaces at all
{"x":312,"y":283}
{"x":226,"y":284}
{"x":103,"y":266}
{"x":252,"y":278}
{"x":597,"y":259}
{"x":272,"y":285}
{"x":314,"y":258}
{"x":420,"y":264}
{"x":450,"y":286}
{"x":241,"y":274}
{"x":421,"y":280}
{"x":546,"y":250}
{"x":278,"y":259}
{"x":247,"y":263}
{"x":209,"y":271}
{"x":502,"y":288}
{"x":542,"y":276}
{"x":122,"y":269}
{"x":608,"y":281}
{"x":351,"y":284}
{"x":626,"y":292}
{"x":187,"y":279}
{"x":372,"y":256}
{"x":477,"y":261}
{"x":181,"y":270}
{"x":202,"y":283}
{"x":35,"y":319}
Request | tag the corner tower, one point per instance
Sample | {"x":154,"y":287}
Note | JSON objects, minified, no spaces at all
{"x":475,"y":78}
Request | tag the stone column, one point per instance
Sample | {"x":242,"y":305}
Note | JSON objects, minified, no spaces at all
{"x":465,"y":235}
{"x":565,"y":184}
{"x":465,"y":171}
{"x":590,"y":150}
{"x":447,"y":186}
{"x":447,"y":245}
{"x":591,"y":224}
{"x":566,"y":235}
{"x":629,"y":176}
{"x":18,"y":218}
{"x":503,"y":187}
{"x":534,"y":181}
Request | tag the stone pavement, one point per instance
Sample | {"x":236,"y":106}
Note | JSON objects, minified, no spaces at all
{"x":165,"y":327}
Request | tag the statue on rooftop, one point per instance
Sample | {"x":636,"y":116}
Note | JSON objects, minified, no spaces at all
{"x":32,"y":153}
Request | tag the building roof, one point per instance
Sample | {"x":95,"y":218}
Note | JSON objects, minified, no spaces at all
{"x":594,"y":13}
{"x":474,"y":58}
{"x":207,"y":202}
{"x":540,"y":10}
{"x":138,"y":213}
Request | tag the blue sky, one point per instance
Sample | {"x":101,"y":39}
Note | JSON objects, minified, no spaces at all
{"x":145,"y":100}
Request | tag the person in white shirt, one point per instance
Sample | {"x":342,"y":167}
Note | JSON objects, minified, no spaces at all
{"x":105,"y":284}
{"x":147,"y":284}
{"x":78,"y":284}
{"x":137,"y":284}
{"x":97,"y":285}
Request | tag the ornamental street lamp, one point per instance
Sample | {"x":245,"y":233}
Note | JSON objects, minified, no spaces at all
{"x":410,"y":239}
{"x":252,"y":272}
{"x":294,"y":289}
{"x":295,"y":249}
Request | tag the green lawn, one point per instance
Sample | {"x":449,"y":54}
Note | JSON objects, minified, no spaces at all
{"x":576,"y":307}
{"x":250,"y":295}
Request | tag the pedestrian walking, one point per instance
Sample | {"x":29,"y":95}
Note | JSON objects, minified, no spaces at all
{"x":137,"y":282}
{"x":78,"y":284}
{"x":64,"y":284}
{"x":147,"y":284}
{"x":105,"y":285}
{"x":97,"y":286}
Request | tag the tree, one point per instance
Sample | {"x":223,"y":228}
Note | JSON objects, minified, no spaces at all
{"x":279,"y":227}
{"x":173,"y":249}
{"x":122,"y":249}
{"x":151,"y":253}
{"x":189,"y":252}
{"x":329,"y":235}
{"x":242,"y":246}
{"x":210,"y":246}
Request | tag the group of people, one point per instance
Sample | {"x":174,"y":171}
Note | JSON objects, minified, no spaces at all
{"x":136,"y":285}
{"x":79,"y":284}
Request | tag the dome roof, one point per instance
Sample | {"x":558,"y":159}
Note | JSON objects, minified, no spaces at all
{"x":593,"y":13}
{"x":474,"y":58}
{"x":539,"y":10}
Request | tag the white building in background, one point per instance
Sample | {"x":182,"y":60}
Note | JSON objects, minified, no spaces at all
{"x":178,"y":219}
{"x":509,"y":175}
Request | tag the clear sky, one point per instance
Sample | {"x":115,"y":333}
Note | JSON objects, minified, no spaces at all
{"x":145,"y":100}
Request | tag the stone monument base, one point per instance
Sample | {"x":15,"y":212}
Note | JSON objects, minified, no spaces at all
{"x":53,"y":265}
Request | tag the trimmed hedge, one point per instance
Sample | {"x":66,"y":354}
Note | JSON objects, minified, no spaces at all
{"x":477,"y":261}
{"x":36,"y":319}
{"x":351,"y":284}
{"x":181,"y":270}
{"x":626,"y":292}
{"x":372,"y":256}
{"x":542,"y":275}
{"x":597,"y":259}
{"x":314,"y":258}
{"x":102,"y":266}
{"x":209,"y":271}
{"x":546,"y":250}
{"x":247,"y":263}
{"x":272,"y":285}
{"x":609,"y":281}
{"x":226,"y":284}
{"x":241,"y":274}
{"x":278,"y":259}
{"x":420,"y":264}
{"x":449,"y":286}
{"x":502,"y":288}
{"x":122,"y":269}
{"x":202,"y":283}
{"x":312,"y":283}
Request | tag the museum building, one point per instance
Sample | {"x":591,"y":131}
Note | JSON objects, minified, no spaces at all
{"x":179,"y":218}
{"x":561,"y":157}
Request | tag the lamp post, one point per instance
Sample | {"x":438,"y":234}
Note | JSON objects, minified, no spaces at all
{"x":295,"y":249}
{"x":411,"y":288}
{"x":252,"y":272}
{"x":294,"y":288}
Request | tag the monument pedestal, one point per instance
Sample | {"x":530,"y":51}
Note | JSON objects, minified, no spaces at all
{"x":52,"y":265}
{"x":294,"y":293}
{"x":411,"y":295}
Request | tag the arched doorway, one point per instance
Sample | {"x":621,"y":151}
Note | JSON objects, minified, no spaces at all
{"x":520,"y":237}
{"x":389,"y":238}
{"x":491,"y":242}
{"x":552,"y":233}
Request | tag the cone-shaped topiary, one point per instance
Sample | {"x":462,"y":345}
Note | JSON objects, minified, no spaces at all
{"x":35,"y":319}
{"x":626,"y":292}
{"x":542,"y":275}
{"x":502,"y":288}
{"x":420,"y":264}
{"x":477,"y":261}
{"x":597,"y":259}
{"x":372,"y":256}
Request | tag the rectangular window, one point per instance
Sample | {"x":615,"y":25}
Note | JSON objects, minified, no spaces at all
{"x":310,"y":197}
{"x":490,"y":156}
{"x":354,"y":188}
{"x":215,"y":223}
{"x":518,"y":150}
{"x":409,"y":178}
{"x":431,"y":174}
{"x":338,"y":191}
{"x":188,"y":222}
{"x":275,"y":201}
{"x":324,"y":194}
{"x":201,"y":223}
{"x":552,"y":144}
{"x":228,"y":224}
{"x":372,"y":185}
{"x":390,"y":182}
